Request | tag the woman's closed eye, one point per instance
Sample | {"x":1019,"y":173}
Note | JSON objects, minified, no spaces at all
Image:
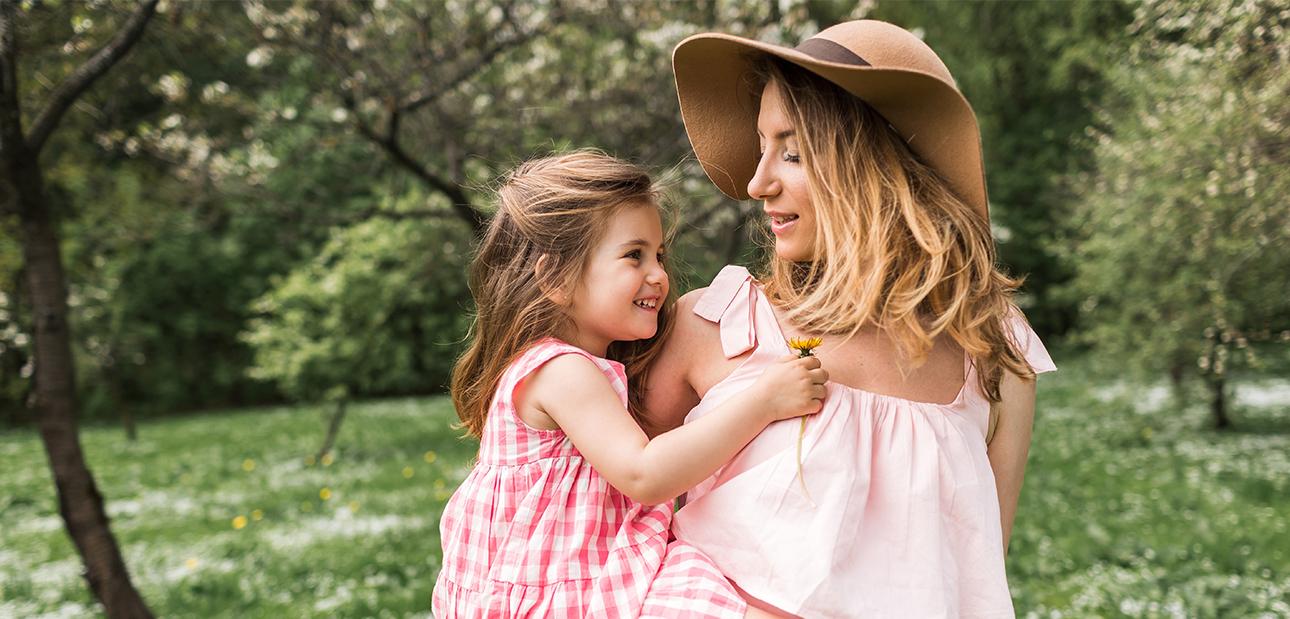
{"x":787,"y":156}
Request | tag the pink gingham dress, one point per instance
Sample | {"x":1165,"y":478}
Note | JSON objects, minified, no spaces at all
{"x":534,"y":531}
{"x":900,"y":517}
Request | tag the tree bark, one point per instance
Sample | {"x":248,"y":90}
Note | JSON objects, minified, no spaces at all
{"x":79,"y":501}
{"x":333,"y":429}
{"x":1218,"y":402}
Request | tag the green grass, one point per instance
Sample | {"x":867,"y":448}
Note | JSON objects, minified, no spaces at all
{"x":370,"y":549}
{"x":1131,"y":508}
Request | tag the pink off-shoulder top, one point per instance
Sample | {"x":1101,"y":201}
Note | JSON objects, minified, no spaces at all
{"x":899,"y":516}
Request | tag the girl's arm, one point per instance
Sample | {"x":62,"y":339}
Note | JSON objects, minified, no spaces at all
{"x":1011,"y":445}
{"x":573,"y":392}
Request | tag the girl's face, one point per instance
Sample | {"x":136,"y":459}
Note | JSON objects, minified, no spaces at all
{"x":624,"y":284}
{"x":780,"y":181}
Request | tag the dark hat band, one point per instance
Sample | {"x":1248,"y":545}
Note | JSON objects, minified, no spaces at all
{"x":828,"y":51}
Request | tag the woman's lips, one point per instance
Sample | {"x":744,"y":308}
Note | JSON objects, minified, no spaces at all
{"x":782,"y":224}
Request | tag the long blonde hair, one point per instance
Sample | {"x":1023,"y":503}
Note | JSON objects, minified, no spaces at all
{"x":552,"y":210}
{"x":896,"y":248}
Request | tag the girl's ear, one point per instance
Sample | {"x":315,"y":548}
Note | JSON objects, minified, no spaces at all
{"x":553,"y":291}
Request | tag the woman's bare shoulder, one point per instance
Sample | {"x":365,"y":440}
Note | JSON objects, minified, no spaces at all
{"x":692,"y":331}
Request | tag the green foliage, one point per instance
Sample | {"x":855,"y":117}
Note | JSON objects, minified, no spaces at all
{"x":1034,"y":72}
{"x":1181,"y":258}
{"x":1128,"y":510}
{"x":379,"y":310}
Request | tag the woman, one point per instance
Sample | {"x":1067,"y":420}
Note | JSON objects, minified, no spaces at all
{"x":898,"y":498}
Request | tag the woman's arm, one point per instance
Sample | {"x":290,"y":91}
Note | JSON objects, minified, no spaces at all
{"x":1010,"y":446}
{"x":573,"y":392}
{"x":670,"y":394}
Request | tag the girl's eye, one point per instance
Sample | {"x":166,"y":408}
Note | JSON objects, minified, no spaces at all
{"x":634,"y":254}
{"x":791,"y":158}
{"x":662,"y":256}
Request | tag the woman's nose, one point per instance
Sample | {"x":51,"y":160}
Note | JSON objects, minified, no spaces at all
{"x":763,"y":184}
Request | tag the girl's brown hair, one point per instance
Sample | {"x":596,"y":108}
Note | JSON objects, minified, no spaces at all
{"x":896,"y":249}
{"x":551,"y":213}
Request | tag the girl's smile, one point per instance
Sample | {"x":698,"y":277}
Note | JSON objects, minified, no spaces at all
{"x":624,"y":284}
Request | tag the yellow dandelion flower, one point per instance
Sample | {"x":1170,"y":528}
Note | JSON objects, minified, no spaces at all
{"x":327,"y":459}
{"x":239,"y":522}
{"x":431,"y":457}
{"x":407,"y":472}
{"x":804,"y":345}
{"x":325,"y":494}
{"x":309,"y":460}
{"x":439,"y":485}
{"x":248,"y":465}
{"x":257,"y":514}
{"x":353,"y":506}
{"x":192,"y":563}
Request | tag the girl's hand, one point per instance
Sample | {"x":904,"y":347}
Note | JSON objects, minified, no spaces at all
{"x":792,"y":387}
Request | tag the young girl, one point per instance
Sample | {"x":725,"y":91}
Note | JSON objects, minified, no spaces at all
{"x":566,"y":513}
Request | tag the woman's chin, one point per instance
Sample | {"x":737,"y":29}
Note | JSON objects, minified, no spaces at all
{"x":791,"y":252}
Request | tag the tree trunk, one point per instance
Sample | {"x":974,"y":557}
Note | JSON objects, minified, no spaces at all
{"x":79,"y":501}
{"x":54,"y":401}
{"x":131,"y":428}
{"x":738,"y":234}
{"x":1218,"y":403}
{"x":1177,"y":383}
{"x":333,"y":428}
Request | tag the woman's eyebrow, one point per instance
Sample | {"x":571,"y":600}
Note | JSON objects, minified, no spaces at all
{"x":634,"y":243}
{"x":787,"y":133}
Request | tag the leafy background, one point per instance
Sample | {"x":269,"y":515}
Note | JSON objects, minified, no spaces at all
{"x":267,"y":208}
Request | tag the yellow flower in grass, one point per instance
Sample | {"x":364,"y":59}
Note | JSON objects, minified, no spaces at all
{"x":239,"y":522}
{"x":803,"y":346}
{"x":353,"y":506}
{"x":257,"y":515}
{"x":248,"y":465}
{"x":431,"y":457}
{"x":407,"y":472}
{"x":325,"y":494}
{"x":327,"y":459}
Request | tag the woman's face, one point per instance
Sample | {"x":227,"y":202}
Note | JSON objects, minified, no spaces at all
{"x":780,"y":181}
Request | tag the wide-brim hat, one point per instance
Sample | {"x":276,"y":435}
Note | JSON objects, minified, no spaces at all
{"x":884,"y":65}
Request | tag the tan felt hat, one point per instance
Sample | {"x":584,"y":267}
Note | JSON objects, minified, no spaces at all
{"x":886,"y":66}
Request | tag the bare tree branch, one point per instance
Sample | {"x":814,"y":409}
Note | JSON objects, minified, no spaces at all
{"x":518,"y":39}
{"x":85,"y":75}
{"x":460,"y":202}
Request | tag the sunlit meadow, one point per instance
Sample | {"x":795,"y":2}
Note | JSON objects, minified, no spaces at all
{"x":1131,"y":508}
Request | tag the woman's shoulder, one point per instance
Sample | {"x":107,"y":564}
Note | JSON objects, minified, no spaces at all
{"x":713,"y":301}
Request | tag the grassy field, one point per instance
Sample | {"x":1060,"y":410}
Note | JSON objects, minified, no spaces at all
{"x":1131,"y":508}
